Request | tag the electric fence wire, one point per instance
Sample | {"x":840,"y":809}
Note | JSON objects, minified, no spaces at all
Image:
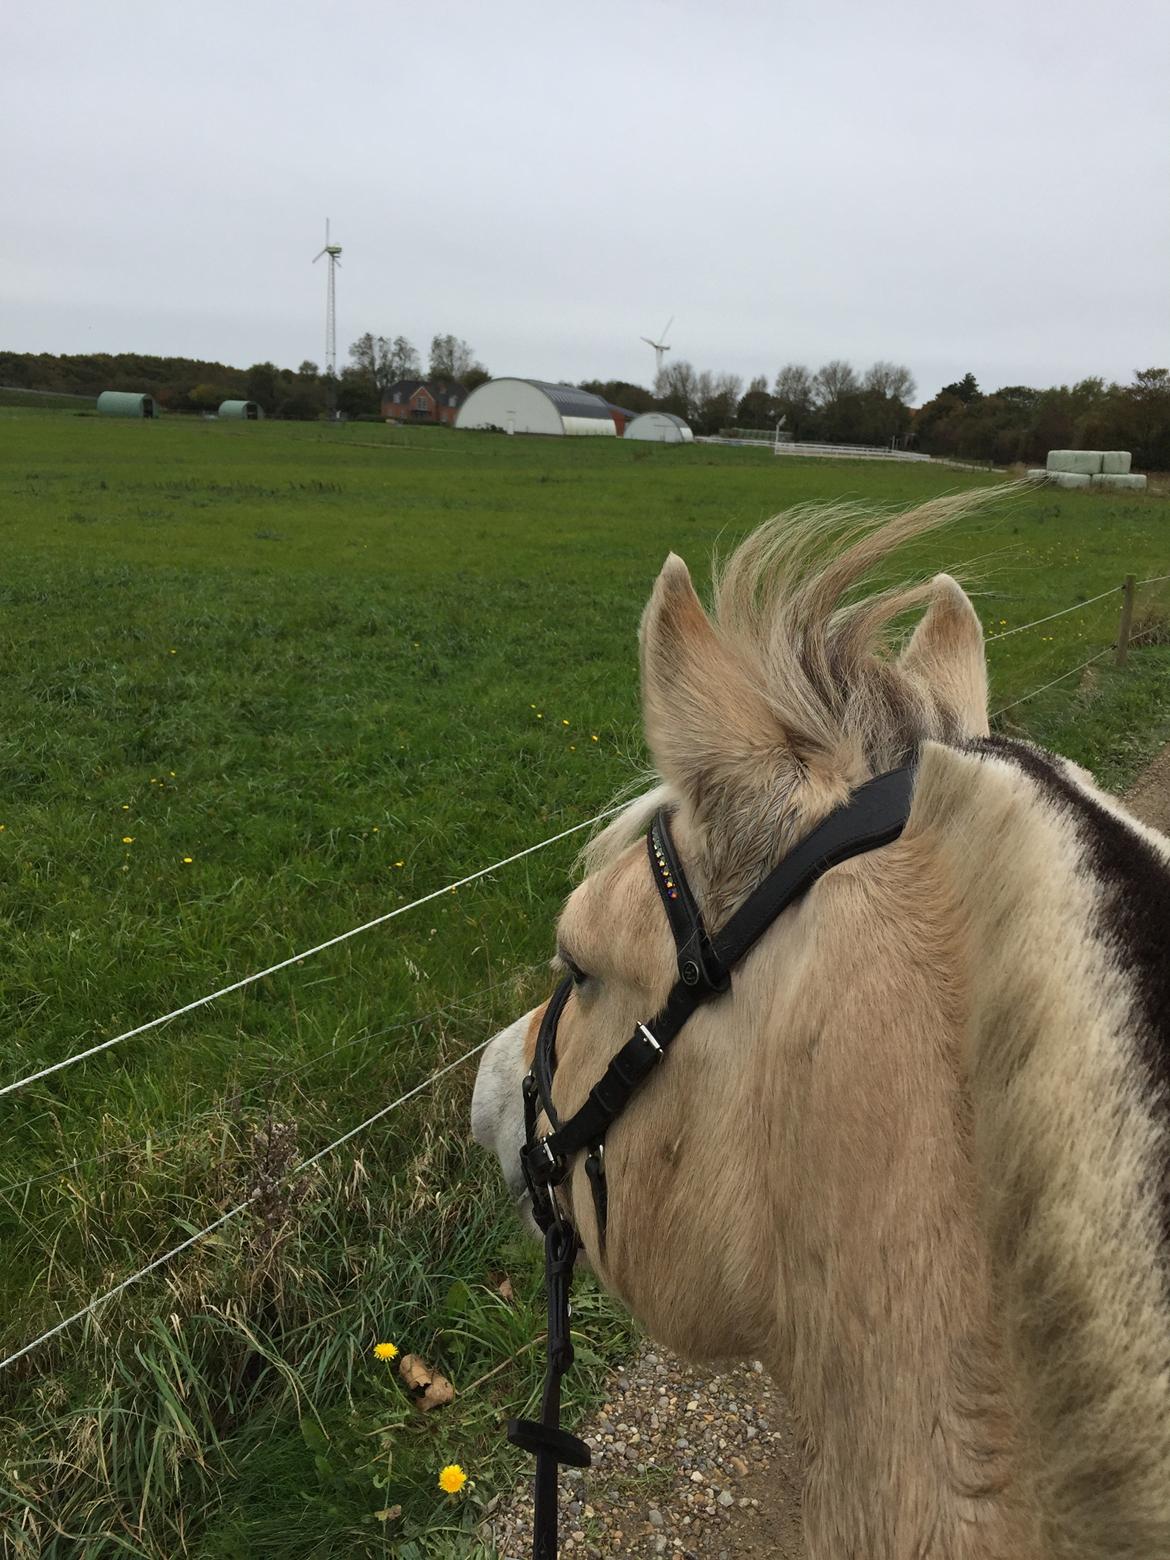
{"x":298,"y":958}
{"x":164,"y":1139}
{"x":232,"y":1213}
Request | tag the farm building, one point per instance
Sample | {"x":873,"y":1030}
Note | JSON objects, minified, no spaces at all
{"x":532,"y":406}
{"x":250,"y":411}
{"x":423,"y":401}
{"x":126,"y":403}
{"x":662,"y":427}
{"x":622,"y":416}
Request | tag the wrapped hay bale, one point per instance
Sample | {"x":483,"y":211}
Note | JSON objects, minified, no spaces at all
{"x":1068,"y":479}
{"x":1115,"y":462}
{"x":1087,"y":462}
{"x":1127,"y":481}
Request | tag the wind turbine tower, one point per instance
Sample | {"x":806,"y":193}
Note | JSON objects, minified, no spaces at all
{"x":333,"y":252}
{"x":660,"y":348}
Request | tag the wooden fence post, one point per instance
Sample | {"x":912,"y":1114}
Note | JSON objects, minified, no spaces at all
{"x":1126,"y":624}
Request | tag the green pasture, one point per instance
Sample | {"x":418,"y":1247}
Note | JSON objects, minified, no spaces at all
{"x":263,"y":683}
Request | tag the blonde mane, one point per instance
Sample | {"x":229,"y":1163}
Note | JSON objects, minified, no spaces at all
{"x":790,"y":603}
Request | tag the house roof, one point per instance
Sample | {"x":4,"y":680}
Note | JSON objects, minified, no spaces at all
{"x":438,"y":388}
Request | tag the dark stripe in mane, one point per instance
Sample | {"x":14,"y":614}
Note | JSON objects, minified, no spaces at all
{"x":1134,"y":916}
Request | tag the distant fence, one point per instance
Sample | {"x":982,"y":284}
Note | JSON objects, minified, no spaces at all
{"x":827,"y":451}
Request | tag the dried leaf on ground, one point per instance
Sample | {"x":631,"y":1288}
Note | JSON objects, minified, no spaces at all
{"x":427,"y":1388}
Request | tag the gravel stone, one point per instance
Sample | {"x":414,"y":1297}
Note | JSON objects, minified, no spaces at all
{"x":717,"y":1477}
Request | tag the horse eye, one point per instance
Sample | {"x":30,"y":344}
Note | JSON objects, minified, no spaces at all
{"x":574,"y":969}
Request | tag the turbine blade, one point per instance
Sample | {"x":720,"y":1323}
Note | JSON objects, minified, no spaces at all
{"x":317,"y":257}
{"x":666,"y":327}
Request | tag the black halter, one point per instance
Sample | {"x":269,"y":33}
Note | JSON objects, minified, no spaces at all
{"x":875,"y":815}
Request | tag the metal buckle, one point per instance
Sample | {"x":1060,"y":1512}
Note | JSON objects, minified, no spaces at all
{"x":653,"y":1042}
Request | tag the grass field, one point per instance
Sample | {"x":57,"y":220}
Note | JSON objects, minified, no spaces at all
{"x":263,"y":683}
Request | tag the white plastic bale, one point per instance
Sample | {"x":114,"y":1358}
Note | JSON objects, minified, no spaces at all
{"x":1116,"y":462}
{"x":1087,"y":462}
{"x":1121,"y":481}
{"x":1069,"y":479}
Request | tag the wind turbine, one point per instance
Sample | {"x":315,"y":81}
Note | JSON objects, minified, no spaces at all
{"x":659,"y":348}
{"x":334,"y":253}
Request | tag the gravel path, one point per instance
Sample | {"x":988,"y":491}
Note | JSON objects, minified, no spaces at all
{"x":685,"y":1464}
{"x":696,"y":1465}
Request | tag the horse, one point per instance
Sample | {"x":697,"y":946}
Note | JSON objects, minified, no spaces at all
{"x":915,"y":1158}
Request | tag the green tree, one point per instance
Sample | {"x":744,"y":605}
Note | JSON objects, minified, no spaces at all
{"x":965,"y":389}
{"x":795,"y":399}
{"x":451,"y":358}
{"x":757,"y":408}
{"x":260,"y":385}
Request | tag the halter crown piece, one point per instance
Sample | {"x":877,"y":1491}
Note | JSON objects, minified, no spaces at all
{"x":875,"y":815}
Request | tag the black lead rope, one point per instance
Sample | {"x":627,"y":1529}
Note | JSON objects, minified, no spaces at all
{"x":544,"y":1436}
{"x":875,"y":815}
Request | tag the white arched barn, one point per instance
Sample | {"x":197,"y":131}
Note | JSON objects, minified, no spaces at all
{"x":532,"y":406}
{"x":662,"y":427}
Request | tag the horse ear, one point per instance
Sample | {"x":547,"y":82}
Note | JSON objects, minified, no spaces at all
{"x":707,"y":722}
{"x":946,"y":652}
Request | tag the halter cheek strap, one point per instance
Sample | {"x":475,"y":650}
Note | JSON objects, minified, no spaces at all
{"x":874,"y":816}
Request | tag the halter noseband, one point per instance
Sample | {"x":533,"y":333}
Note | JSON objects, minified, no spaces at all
{"x":875,"y":815}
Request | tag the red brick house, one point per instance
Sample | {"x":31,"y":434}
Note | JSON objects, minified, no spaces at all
{"x":423,"y":401}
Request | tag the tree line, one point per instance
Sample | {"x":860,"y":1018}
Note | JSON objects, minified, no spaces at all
{"x":833,"y":404}
{"x":199,"y":385}
{"x":1019,"y":423}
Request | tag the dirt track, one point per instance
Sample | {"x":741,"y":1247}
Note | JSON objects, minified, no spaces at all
{"x":701,"y":1466}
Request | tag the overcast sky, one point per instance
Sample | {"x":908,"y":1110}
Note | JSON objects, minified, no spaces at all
{"x":982,"y":186}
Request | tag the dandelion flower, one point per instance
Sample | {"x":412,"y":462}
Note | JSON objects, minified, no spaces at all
{"x":385,"y":1351}
{"x":188,"y":860}
{"x":564,"y":723}
{"x":593,"y":737}
{"x":400,"y":863}
{"x":125,"y":806}
{"x":452,"y":1479}
{"x":127,"y":839}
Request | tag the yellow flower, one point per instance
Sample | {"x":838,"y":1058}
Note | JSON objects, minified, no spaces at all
{"x":125,"y":806}
{"x":127,"y":839}
{"x":385,"y":1351}
{"x":188,"y":860}
{"x":452,"y":1479}
{"x":564,"y":723}
{"x":400,"y":863}
{"x":593,"y":738}
{"x":173,"y":652}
